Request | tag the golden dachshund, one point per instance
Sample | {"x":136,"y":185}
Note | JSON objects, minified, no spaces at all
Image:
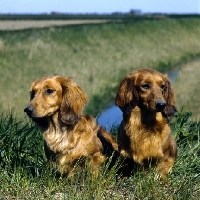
{"x":146,"y":99}
{"x":55,"y":106}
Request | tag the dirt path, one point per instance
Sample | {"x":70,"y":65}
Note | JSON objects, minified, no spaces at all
{"x":27,"y":24}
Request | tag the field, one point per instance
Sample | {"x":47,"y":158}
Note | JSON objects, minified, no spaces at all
{"x":12,"y":25}
{"x":98,"y":56}
{"x":187,"y":94}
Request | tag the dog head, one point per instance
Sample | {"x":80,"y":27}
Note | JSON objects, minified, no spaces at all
{"x":56,"y":94}
{"x":147,"y":89}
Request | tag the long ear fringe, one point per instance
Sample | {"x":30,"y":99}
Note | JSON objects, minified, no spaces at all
{"x":127,"y":97}
{"x":170,"y":99}
{"x":73,"y":102}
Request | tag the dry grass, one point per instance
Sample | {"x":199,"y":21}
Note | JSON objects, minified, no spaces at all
{"x":11,"y":25}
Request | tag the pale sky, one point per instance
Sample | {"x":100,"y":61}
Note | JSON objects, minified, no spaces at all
{"x":99,"y":6}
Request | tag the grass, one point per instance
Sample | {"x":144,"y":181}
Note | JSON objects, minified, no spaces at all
{"x":188,"y":94}
{"x":97,"y":56}
{"x":25,"y":175}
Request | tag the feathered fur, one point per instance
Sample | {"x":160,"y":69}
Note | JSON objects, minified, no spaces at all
{"x":146,"y":99}
{"x":55,"y":106}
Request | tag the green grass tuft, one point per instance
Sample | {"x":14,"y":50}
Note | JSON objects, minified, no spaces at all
{"x":24,"y":173}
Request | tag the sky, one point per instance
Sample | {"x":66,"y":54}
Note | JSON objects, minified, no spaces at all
{"x":99,"y":6}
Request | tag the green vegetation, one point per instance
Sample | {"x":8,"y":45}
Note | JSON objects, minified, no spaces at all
{"x":24,"y":173}
{"x":187,"y":89}
{"x":97,"y":56}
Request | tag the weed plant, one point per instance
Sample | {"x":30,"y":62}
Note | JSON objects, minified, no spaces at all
{"x":24,"y":173}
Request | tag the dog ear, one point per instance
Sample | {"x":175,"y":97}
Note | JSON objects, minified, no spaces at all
{"x":169,"y":96}
{"x":127,"y":96}
{"x":73,"y":101}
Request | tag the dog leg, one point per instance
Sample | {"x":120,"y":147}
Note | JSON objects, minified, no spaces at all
{"x":165,"y":166}
{"x":97,"y":160}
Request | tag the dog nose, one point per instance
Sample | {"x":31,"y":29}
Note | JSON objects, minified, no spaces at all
{"x":29,"y":110}
{"x":160,"y":106}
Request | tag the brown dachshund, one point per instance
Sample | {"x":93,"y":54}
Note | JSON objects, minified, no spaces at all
{"x":55,"y":106}
{"x":146,"y":99}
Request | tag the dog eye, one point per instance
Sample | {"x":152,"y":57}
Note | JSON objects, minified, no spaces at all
{"x":162,"y":86}
{"x":145,"y":86}
{"x":49,"y":91}
{"x":32,"y":94}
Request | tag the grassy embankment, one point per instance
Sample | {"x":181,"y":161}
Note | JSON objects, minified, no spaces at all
{"x":98,"y":56}
{"x":187,"y":90}
{"x":24,"y":173}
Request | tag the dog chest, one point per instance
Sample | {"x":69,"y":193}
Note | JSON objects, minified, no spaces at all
{"x":147,"y":142}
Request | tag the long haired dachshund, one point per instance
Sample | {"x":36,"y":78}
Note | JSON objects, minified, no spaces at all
{"x":55,"y":106}
{"x":146,"y":99}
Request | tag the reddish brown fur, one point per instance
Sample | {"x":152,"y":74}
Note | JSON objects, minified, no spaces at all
{"x":146,"y":98}
{"x":56,"y":105}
